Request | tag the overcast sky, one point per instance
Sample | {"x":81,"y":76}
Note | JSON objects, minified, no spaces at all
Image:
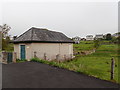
{"x":73,"y":18}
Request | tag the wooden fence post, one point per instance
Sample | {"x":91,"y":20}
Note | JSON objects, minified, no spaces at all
{"x":112,"y":68}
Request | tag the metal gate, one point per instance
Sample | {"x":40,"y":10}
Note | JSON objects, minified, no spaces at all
{"x":9,"y":57}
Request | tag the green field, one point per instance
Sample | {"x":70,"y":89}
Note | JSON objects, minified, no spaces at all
{"x":97,"y":64}
{"x":84,"y":45}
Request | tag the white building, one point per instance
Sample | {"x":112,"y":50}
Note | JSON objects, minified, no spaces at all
{"x":116,"y":35}
{"x":99,"y":36}
{"x":77,"y":39}
{"x":89,"y":37}
{"x":43,"y":44}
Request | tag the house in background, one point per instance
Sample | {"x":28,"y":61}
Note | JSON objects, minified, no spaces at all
{"x":99,"y":36}
{"x":76,"y":39}
{"x":89,"y":37}
{"x":83,"y":39}
{"x":43,"y":44}
{"x":116,"y":35}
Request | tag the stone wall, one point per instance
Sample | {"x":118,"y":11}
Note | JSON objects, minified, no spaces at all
{"x":4,"y":57}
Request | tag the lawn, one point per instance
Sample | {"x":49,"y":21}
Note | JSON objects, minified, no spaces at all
{"x":83,"y":46}
{"x":97,"y":64}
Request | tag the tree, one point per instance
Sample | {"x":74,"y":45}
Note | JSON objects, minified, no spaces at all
{"x":114,"y":40}
{"x":5,"y":30}
{"x":118,"y":39}
{"x":108,"y":36}
{"x":96,"y":43}
{"x":5,"y":38}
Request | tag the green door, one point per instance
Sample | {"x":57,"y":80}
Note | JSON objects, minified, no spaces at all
{"x":23,"y":53}
{"x":9,"y":57}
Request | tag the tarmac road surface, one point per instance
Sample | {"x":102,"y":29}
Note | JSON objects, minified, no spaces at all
{"x":38,"y":75}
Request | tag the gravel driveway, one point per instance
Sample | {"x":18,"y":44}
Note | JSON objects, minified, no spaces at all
{"x":38,"y":75}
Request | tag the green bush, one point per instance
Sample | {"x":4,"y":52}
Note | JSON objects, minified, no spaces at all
{"x":96,"y":43}
{"x":40,"y":60}
{"x":19,"y":60}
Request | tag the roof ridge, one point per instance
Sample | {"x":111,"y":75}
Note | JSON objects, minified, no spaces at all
{"x":39,"y":28}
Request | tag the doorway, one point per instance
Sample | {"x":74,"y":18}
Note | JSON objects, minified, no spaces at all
{"x":22,"y":52}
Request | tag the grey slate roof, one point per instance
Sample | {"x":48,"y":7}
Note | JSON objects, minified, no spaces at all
{"x":42,"y":35}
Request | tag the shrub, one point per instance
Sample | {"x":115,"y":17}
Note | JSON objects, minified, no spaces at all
{"x":19,"y":60}
{"x":35,"y":59}
{"x":96,"y":43}
{"x":40,"y":60}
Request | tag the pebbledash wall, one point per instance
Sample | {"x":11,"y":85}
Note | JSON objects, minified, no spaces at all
{"x":48,"y":51}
